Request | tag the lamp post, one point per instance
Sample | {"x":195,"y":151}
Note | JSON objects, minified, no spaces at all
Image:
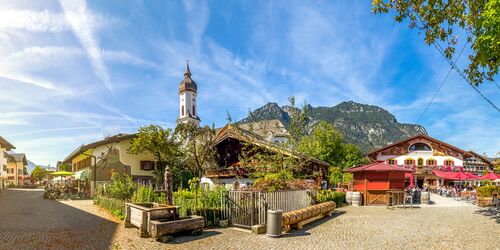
{"x":94,"y":173}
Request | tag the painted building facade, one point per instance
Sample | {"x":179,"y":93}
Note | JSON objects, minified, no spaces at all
{"x":423,"y":154}
{"x":16,"y":164}
{"x":111,"y":155}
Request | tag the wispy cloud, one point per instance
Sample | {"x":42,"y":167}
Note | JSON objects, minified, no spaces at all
{"x":77,"y":15}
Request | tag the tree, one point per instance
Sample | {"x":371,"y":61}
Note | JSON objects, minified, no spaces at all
{"x":64,"y":167}
{"x":161,"y":143}
{"x":496,"y":163}
{"x":198,"y":147}
{"x":39,"y":174}
{"x":326,"y":143}
{"x":479,"y":19}
{"x":299,"y":122}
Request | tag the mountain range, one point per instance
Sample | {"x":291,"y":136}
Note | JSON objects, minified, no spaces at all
{"x":367,"y":126}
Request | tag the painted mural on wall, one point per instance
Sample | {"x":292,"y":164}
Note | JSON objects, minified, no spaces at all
{"x":108,"y":163}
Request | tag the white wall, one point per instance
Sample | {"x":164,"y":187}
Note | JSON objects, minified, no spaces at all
{"x":421,"y":154}
{"x":132,"y":160}
{"x":187,"y":98}
{"x":227,"y":182}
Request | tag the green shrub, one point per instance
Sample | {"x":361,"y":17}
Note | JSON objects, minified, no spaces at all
{"x":487,"y":191}
{"x":199,"y":201}
{"x":145,"y":194}
{"x":114,"y":206}
{"x":330,"y":195}
{"x":122,"y":187}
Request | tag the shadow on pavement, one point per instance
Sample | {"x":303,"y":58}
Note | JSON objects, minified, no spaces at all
{"x":304,"y":231}
{"x":30,"y":222}
{"x":179,"y":239}
{"x":493,"y":213}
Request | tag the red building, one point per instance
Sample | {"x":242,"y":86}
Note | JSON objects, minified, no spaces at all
{"x":374,"y":180}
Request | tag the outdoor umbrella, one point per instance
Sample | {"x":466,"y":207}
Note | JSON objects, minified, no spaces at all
{"x":490,"y":176}
{"x":461,"y":176}
{"x":62,"y":173}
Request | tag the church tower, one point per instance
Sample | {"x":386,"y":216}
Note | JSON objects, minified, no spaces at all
{"x":187,"y":98}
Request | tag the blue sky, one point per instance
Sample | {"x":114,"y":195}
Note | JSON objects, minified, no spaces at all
{"x":72,"y":72}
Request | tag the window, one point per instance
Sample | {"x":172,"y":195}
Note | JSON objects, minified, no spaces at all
{"x":431,"y":162}
{"x":409,"y":162}
{"x":448,"y":162}
{"x":147,"y":165}
{"x":420,"y":162}
{"x":194,"y":110}
{"x":420,"y":147}
{"x":182,"y":110}
{"x":392,"y":162}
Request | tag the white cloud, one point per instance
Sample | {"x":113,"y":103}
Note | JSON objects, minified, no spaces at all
{"x":77,"y":15}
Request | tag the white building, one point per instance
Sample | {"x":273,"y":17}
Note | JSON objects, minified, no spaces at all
{"x":4,"y":147}
{"x":423,"y":154}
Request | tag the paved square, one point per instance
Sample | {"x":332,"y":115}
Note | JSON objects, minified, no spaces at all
{"x":29,"y":222}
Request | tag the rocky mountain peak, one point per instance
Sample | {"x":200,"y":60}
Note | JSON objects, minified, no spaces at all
{"x":367,"y":126}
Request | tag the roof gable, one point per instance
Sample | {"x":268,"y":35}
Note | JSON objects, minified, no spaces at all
{"x":107,"y":140}
{"x":435,"y":142}
{"x":6,"y":144}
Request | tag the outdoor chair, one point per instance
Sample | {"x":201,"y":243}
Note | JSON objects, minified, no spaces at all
{"x":408,"y":197}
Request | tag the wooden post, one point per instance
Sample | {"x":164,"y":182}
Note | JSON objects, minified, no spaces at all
{"x":168,"y":187}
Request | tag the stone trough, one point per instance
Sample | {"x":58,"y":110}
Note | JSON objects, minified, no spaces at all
{"x":155,"y":220}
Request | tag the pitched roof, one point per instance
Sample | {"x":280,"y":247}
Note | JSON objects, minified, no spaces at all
{"x":236,"y":132}
{"x":377,"y":167}
{"x":482,"y":157}
{"x":13,"y":157}
{"x":263,"y":128}
{"x":373,"y":153}
{"x":6,"y":144}
{"x":107,"y":140}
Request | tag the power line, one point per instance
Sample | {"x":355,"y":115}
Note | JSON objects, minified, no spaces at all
{"x":453,"y":65}
{"x":440,"y":86}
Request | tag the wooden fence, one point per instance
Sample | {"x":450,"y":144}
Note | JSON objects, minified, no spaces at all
{"x":248,"y":208}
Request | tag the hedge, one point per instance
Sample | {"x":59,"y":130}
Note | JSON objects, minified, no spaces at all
{"x":114,"y":206}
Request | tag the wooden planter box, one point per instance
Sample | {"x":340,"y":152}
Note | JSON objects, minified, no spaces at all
{"x":484,"y":201}
{"x":158,"y":228}
{"x":141,"y":214}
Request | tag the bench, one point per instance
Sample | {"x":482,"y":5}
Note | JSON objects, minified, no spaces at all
{"x":299,"y":218}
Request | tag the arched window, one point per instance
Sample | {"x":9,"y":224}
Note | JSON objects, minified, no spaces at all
{"x":420,"y":147}
{"x":182,"y":110}
{"x":409,"y":162}
{"x":194,"y":110}
{"x":392,"y":162}
{"x":420,"y":162}
{"x":448,"y":162}
{"x":431,"y":162}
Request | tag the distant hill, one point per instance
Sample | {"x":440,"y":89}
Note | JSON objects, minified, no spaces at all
{"x":367,"y":126}
{"x":30,"y":167}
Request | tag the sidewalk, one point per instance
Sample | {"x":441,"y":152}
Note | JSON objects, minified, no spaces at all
{"x":440,"y":201}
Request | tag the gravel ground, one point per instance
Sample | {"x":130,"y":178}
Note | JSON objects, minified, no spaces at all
{"x":30,"y":222}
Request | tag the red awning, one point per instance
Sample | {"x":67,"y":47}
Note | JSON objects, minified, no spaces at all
{"x":457,"y":176}
{"x":379,"y":167}
{"x":490,"y":176}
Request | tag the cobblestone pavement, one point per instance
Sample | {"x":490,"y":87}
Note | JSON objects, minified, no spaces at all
{"x":454,"y":227}
{"x":27,"y":221}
